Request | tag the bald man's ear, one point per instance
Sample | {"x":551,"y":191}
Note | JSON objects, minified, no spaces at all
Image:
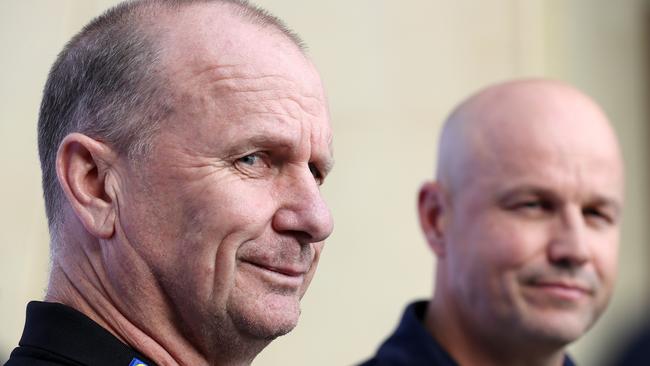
{"x":82,"y":166}
{"x":433,"y":211}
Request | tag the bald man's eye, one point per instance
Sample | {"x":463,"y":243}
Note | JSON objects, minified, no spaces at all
{"x":597,"y":216}
{"x":531,"y":207}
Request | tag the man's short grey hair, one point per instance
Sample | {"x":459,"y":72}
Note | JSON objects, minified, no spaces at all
{"x":109,"y":83}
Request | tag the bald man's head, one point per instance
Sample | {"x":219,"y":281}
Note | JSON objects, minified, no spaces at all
{"x":512,"y":115}
{"x":525,"y":214}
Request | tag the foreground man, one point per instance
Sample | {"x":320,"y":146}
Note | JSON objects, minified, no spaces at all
{"x":182,"y":146}
{"x":524,"y":221}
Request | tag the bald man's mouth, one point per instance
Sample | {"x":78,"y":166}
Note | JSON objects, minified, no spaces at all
{"x":563,"y":289}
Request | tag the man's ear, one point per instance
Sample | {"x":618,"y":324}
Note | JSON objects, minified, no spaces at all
{"x":82,"y":166}
{"x":433,"y":212}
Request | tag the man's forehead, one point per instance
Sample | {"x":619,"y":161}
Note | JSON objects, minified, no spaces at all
{"x":539,"y":151}
{"x":566,"y":161}
{"x":541,"y":120}
{"x":254,"y":80}
{"x":590,"y":177}
{"x":221,"y":34}
{"x":201,"y":47}
{"x":546,"y":145}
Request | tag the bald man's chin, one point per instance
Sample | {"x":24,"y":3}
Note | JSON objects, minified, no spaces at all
{"x":559,"y":328}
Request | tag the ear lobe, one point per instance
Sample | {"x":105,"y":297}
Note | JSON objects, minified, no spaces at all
{"x":82,"y":166}
{"x":433,"y":216}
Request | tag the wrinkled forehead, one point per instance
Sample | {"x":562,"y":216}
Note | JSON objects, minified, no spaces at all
{"x":225,"y":70}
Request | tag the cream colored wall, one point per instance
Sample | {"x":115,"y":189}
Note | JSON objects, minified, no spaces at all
{"x":393,"y":69}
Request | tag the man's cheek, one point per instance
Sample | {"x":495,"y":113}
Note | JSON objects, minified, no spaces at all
{"x":318,"y":247}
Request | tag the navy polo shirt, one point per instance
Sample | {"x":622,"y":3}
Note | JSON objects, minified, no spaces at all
{"x":412,"y":345}
{"x":56,"y":334}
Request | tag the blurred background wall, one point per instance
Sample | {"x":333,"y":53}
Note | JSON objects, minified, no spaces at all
{"x":393,"y":70}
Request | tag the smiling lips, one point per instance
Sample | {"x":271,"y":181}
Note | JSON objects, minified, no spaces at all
{"x":289,"y":275}
{"x":563,"y":289}
{"x":287,"y":270}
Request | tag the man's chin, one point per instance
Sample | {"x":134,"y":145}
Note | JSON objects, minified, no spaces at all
{"x":266,"y":317}
{"x":561,"y":329}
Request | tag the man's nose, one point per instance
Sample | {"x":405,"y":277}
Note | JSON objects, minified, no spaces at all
{"x":568,"y":246}
{"x":302,"y":211}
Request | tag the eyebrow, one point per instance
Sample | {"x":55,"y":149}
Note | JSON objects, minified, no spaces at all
{"x":273,"y":139}
{"x":267,"y":139}
{"x":240,"y":144}
{"x":525,"y":189}
{"x":593,"y":199}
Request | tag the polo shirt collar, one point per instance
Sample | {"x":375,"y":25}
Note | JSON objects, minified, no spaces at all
{"x":62,"y":330}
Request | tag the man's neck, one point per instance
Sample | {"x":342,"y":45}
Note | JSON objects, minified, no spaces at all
{"x":464,"y":343}
{"x":144,"y":325}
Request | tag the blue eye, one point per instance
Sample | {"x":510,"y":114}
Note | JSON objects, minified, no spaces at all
{"x":249,"y":159}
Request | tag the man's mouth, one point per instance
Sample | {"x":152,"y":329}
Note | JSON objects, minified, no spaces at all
{"x":568,"y":290}
{"x":286,"y":270}
{"x":285,"y":275}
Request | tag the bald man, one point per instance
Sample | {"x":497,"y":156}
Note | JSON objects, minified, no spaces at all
{"x":524,"y":222}
{"x":183,"y":144}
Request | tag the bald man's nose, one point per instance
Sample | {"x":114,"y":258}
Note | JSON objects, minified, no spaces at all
{"x":568,"y":246}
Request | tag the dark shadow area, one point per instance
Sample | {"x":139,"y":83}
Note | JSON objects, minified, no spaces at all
{"x":636,"y":350}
